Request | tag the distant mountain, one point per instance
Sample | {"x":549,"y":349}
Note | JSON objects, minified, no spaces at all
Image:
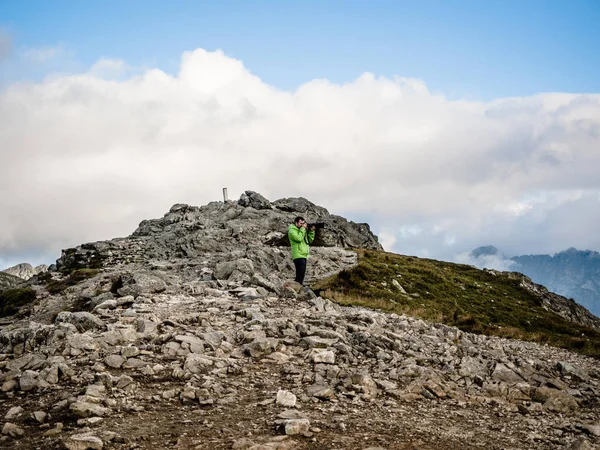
{"x":25,"y":271}
{"x":571,"y":273}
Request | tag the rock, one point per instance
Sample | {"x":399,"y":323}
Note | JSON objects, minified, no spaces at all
{"x":398,"y":286}
{"x":326,"y":357}
{"x":139,"y":283}
{"x":83,"y":321}
{"x":28,"y":381}
{"x":261,"y":347}
{"x":506,"y":374}
{"x":107,"y":304}
{"x":40,"y":416}
{"x":321,"y":391}
{"x":83,"y":442}
{"x":9,"y":385}
{"x":129,"y":352}
{"x":242,"y":444}
{"x":13,"y":413}
{"x":581,"y":444}
{"x":225,"y":269}
{"x":569,"y":370}
{"x":197,"y":364}
{"x":592,"y":430}
{"x":254,"y":200}
{"x":286,"y":398}
{"x":12,"y":430}
{"x":297,"y":426}
{"x":87,"y":409}
{"x":124,"y":381}
{"x":114,"y":361}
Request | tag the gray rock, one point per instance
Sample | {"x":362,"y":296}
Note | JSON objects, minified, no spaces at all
{"x":13,"y":413}
{"x":114,"y":361}
{"x":87,"y":409}
{"x":321,"y":391}
{"x":83,"y":442}
{"x":261,"y":347}
{"x":138,"y":283}
{"x":12,"y":430}
{"x":286,"y":398}
{"x":28,"y":381}
{"x":197,"y":364}
{"x":297,"y":427}
{"x":130,"y":351}
{"x":40,"y":416}
{"x":254,"y":200}
{"x":82,"y":320}
{"x":225,"y":269}
{"x":326,"y":357}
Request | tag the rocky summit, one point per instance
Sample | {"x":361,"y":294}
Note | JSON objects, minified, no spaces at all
{"x":25,"y":270}
{"x":188,"y":334}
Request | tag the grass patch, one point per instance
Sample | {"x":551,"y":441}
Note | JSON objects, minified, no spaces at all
{"x":471,"y":299}
{"x":12,"y":300}
{"x":75,"y":277}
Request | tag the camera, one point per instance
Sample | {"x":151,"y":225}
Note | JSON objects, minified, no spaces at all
{"x":317,"y":225}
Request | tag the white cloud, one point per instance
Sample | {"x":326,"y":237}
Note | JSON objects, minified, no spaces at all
{"x":387,"y":240}
{"x":87,"y":157}
{"x":108,"y":68}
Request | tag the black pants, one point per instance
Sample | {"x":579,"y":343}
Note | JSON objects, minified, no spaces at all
{"x":300,"y":264}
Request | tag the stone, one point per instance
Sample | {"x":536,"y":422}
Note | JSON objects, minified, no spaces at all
{"x":9,"y":385}
{"x":286,"y":398}
{"x":261,"y":347}
{"x":398,"y":286}
{"x":581,"y":444}
{"x":40,"y":416}
{"x":114,"y":361}
{"x":83,"y":321}
{"x":139,"y":283}
{"x":197,"y":364}
{"x":107,"y":304}
{"x":13,"y":413}
{"x":124,"y":381}
{"x":12,"y":430}
{"x":569,"y":370}
{"x":254,"y":200}
{"x":87,"y":409}
{"x":225,"y":269}
{"x":321,"y":391}
{"x":297,"y":426}
{"x":28,"y":381}
{"x":83,"y":442}
{"x":326,"y":357}
{"x":506,"y":374}
{"x":129,"y":351}
{"x":592,"y":430}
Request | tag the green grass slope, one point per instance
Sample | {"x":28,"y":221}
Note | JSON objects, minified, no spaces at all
{"x":471,"y":299}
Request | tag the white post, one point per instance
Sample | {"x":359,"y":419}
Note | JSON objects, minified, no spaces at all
{"x":225,"y":199}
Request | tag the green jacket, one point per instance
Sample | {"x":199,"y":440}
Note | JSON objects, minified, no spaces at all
{"x":300,"y":239}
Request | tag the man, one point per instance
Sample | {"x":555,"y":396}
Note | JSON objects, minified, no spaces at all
{"x":300,"y":238}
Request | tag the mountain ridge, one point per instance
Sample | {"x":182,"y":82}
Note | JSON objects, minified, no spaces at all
{"x":571,"y":273}
{"x":189,"y":334}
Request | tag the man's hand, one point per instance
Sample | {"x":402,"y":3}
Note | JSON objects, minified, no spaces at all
{"x":303,"y":224}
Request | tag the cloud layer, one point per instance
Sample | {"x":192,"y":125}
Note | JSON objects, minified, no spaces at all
{"x":88,"y":156}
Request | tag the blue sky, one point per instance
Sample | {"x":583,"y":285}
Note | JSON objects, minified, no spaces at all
{"x":463,"y":49}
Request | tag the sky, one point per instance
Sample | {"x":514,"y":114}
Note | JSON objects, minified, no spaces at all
{"x":445,"y":125}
